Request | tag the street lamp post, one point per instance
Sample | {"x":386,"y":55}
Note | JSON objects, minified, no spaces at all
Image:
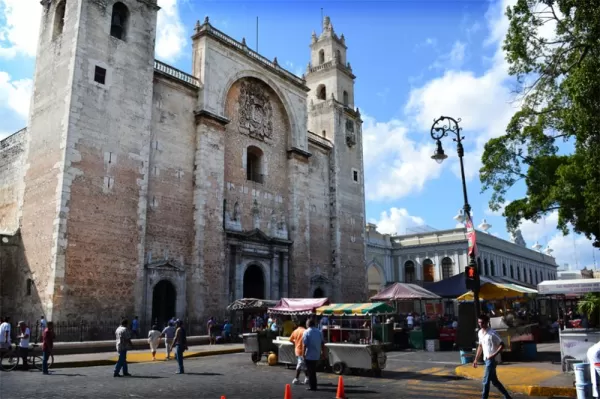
{"x":440,"y":129}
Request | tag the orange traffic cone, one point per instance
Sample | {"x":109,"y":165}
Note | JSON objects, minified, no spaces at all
{"x":288,"y":392}
{"x":340,"y":391}
{"x":222,"y":396}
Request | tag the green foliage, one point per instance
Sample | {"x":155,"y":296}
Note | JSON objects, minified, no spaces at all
{"x":590,"y":306}
{"x":559,"y":89}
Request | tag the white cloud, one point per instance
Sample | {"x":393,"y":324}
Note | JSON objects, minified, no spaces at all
{"x":15,"y":94}
{"x":397,"y":220}
{"x":20,"y":28}
{"x":395,"y":164}
{"x":171,"y":38}
{"x":454,"y":59}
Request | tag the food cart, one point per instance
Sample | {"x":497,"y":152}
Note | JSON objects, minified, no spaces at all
{"x":350,"y":339}
{"x":574,"y":342}
{"x":292,"y":307}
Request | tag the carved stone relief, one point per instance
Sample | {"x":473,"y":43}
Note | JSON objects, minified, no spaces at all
{"x":255,"y":111}
{"x":350,"y":134}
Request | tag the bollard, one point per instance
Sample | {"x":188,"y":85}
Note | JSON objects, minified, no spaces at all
{"x":583,"y":383}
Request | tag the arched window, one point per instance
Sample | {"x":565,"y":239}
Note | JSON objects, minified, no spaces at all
{"x":504,"y":270}
{"x":119,"y":20}
{"x":409,"y":272}
{"x":492,"y":268}
{"x":530,"y":277}
{"x":518,"y":273}
{"x":345,"y":95}
{"x":446,"y":268}
{"x":29,"y":286}
{"x":479,"y":266}
{"x":428,"y":271}
{"x":486,"y":267}
{"x":59,"y":19}
{"x":512,"y":271}
{"x":321,"y":92}
{"x":537,"y":277}
{"x":338,"y":53}
{"x":254,"y":164}
{"x":321,"y":57}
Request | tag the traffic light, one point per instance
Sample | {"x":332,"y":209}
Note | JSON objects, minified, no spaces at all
{"x":471,"y":278}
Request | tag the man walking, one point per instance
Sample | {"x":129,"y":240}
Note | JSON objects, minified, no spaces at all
{"x":123,"y":343}
{"x":313,"y":341}
{"x":135,"y":327}
{"x":5,"y":333}
{"x":168,"y":333}
{"x":24,"y":335}
{"x":180,"y":342}
{"x":593,"y":355}
{"x":47,"y":345}
{"x":297,"y":339}
{"x":491,"y":345}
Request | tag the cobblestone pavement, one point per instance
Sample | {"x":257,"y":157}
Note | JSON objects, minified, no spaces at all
{"x":236,"y":377}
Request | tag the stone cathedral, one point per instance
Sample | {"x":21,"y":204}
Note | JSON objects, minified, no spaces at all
{"x":137,"y":188}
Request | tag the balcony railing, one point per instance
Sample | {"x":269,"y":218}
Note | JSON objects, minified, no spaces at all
{"x":175,"y":73}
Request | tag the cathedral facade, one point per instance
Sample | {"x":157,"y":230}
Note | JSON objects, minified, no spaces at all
{"x":137,"y":188}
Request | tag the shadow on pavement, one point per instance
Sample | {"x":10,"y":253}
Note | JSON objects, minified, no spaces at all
{"x":69,"y":375}
{"x":348,"y":391}
{"x":148,"y":377}
{"x":330,"y":384}
{"x":208,"y":374}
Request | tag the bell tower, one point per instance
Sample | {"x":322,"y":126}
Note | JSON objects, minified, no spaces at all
{"x":88,"y":144}
{"x":332,"y":115}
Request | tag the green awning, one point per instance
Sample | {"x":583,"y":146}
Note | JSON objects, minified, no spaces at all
{"x":355,"y":309}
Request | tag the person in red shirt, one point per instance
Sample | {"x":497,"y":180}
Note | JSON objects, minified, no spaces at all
{"x":47,"y":345}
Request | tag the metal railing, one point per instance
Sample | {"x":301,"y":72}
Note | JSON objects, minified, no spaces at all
{"x":175,"y":73}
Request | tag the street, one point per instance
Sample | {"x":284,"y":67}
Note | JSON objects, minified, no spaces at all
{"x":407,"y":376}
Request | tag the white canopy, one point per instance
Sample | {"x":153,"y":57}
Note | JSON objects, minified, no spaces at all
{"x":579,"y":286}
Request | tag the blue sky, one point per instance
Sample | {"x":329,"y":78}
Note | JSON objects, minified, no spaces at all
{"x":414,"y":61}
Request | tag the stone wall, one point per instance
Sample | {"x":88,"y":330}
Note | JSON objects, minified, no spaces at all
{"x":12,"y":160}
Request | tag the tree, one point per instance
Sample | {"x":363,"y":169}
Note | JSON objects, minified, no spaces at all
{"x":558,"y":86}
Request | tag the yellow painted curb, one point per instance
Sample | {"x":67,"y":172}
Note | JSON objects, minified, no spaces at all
{"x":530,"y":390}
{"x":160,"y":356}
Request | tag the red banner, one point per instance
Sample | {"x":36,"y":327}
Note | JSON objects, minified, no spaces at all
{"x":471,"y":236}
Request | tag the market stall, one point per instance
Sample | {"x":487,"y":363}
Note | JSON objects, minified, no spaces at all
{"x":405,"y":298}
{"x":353,"y":341}
{"x":574,"y":342}
{"x":292,"y":307}
{"x":246,"y":309}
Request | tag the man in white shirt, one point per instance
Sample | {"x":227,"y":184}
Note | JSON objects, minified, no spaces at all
{"x":593,"y":355}
{"x":491,"y":345}
{"x":5,"y":333}
{"x":24,"y":335}
{"x":410,"y":320}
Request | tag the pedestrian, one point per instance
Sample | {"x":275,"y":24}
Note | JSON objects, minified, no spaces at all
{"x":43,"y":325}
{"x":313,"y":342}
{"x":5,"y":333}
{"x":491,"y":345}
{"x":168,"y":333}
{"x":297,"y":339}
{"x":24,"y":335}
{"x":211,"y":326}
{"x":180,"y":342}
{"x":135,"y":327}
{"x":123,"y":344}
{"x":47,"y":346}
{"x":154,"y":340}
{"x":593,"y":355}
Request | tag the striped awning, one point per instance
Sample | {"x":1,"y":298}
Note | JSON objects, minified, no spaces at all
{"x":495,"y":290}
{"x":355,"y":309}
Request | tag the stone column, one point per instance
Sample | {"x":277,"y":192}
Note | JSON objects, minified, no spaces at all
{"x":285,"y":290}
{"x":275,"y":276}
{"x":239,"y":273}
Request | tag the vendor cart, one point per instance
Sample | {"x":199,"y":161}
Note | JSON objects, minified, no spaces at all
{"x":349,"y":334}
{"x":259,"y":343}
{"x":286,"y":351}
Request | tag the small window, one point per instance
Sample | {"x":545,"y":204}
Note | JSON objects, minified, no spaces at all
{"x":355,"y":175}
{"x":321,"y":57}
{"x":338,"y":53}
{"x":100,"y":75}
{"x":59,"y":19}
{"x":29,"y":286}
{"x":118,"y":22}
{"x":324,"y":133}
{"x":321,"y":92}
{"x":254,"y":164}
{"x":345,"y":98}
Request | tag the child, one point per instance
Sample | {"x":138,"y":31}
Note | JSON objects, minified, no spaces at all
{"x":154,"y":340}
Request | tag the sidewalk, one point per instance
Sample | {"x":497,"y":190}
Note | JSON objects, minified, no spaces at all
{"x":531,"y":378}
{"x":141,"y":356}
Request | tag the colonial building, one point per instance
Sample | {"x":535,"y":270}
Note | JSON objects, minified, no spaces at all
{"x":141,"y":189}
{"x":436,"y":255}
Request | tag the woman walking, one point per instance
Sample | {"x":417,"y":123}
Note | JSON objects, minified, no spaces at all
{"x":154,"y":340}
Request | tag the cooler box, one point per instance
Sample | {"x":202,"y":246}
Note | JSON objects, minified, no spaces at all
{"x":432,"y":345}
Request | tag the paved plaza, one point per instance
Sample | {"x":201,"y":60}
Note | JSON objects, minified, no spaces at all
{"x":235,"y":376}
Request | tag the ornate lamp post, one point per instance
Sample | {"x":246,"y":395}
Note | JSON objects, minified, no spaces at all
{"x":441,"y":127}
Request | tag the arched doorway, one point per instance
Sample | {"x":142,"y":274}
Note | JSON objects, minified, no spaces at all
{"x":374,"y":280}
{"x":428,"y":271}
{"x":409,"y":271}
{"x":163,"y":301}
{"x":254,"y":282}
{"x":318,"y":293}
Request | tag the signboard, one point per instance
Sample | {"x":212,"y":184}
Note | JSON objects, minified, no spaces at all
{"x":569,"y":287}
{"x":471,"y":238}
